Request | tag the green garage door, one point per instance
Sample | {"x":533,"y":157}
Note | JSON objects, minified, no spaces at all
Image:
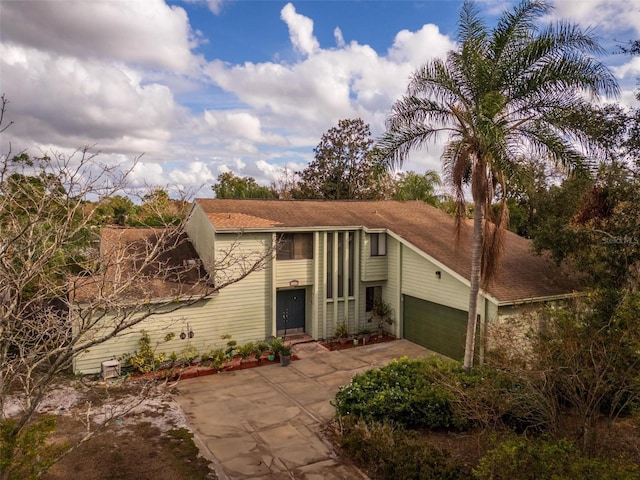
{"x":436,"y":327}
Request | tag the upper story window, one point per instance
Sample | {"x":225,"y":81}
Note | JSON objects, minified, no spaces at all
{"x":295,"y":246}
{"x":378,"y":243}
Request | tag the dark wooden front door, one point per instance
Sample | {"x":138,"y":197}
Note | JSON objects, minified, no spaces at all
{"x":290,"y":311}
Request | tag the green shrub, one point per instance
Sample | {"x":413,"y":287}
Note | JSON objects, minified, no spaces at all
{"x":188,"y":355}
{"x":261,"y":347}
{"x":145,"y":359}
{"x":277,"y":344}
{"x":406,"y":392}
{"x":214,"y":358}
{"x":26,"y":453}
{"x":394,"y":453}
{"x":524,"y":459}
{"x":248,"y":349}
{"x":232,"y":345}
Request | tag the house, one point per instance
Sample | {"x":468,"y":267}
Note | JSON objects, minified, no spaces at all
{"x":334,"y":259}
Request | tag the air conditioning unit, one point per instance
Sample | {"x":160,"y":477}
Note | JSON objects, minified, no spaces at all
{"x":110,"y":369}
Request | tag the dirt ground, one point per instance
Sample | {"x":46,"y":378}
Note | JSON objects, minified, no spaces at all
{"x":151,"y":441}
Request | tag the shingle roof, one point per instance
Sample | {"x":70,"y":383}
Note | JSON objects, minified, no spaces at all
{"x":522,"y":275}
{"x":151,"y":263}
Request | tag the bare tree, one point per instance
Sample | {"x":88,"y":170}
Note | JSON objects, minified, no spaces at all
{"x":64,"y":290}
{"x":578,"y":364}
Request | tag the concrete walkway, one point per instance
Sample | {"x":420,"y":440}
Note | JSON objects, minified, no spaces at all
{"x":266,"y":422}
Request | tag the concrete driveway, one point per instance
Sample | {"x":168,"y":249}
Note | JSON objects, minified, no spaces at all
{"x":266,"y":422}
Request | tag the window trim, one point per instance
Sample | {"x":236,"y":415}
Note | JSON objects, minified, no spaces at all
{"x":292,"y":250}
{"x":378,"y":244}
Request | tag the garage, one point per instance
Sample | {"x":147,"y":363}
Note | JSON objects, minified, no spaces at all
{"x":436,"y":327}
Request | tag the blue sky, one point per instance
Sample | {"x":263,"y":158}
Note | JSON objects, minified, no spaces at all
{"x":202,"y":87}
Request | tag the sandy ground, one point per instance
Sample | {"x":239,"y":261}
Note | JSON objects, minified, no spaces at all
{"x":139,"y":432}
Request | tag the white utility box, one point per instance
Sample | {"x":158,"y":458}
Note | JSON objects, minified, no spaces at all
{"x":110,"y":369}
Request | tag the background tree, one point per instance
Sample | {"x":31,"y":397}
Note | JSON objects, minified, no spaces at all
{"x":116,"y":210}
{"x":346,"y":166}
{"x":158,"y":210}
{"x":232,"y":186}
{"x":413,"y":186}
{"x":505,"y":91}
{"x":48,"y":257}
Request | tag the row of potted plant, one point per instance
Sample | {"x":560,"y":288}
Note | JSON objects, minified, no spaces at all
{"x":145,"y":360}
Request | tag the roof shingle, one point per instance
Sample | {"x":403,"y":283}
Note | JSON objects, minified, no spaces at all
{"x":522,"y":275}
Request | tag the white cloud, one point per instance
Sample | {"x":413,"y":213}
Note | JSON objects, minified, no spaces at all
{"x":337,"y":34}
{"x":215,"y":6}
{"x":629,"y":69}
{"x":148,"y":33}
{"x":113,"y":74}
{"x":229,"y":124}
{"x":146,"y":174}
{"x":62,"y":99}
{"x":300,"y":30}
{"x":418,"y":47}
{"x":608,"y":15}
{"x":194,"y":173}
{"x":313,"y":94}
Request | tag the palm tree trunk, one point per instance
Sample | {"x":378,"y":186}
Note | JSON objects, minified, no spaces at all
{"x":474,"y":289}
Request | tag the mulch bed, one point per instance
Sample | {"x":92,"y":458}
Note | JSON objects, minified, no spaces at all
{"x":334,"y":344}
{"x":194,"y":371}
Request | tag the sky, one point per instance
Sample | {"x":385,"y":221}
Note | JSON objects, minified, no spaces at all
{"x":182,"y":91}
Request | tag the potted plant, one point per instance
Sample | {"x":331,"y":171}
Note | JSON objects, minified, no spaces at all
{"x":276,"y":346}
{"x":285,"y":355}
{"x":342,"y":333}
{"x":382,"y":312}
{"x":260,"y":350}
{"x":365,"y":335}
{"x":231,"y":351}
{"x":245,"y":351}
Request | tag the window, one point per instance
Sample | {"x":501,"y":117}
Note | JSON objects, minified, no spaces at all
{"x":329,"y":265}
{"x":338,"y":266}
{"x":295,"y":246}
{"x":372,"y":294}
{"x":352,"y":262}
{"x":378,"y":244}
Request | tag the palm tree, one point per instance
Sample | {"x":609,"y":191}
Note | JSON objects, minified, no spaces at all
{"x":506,"y":92}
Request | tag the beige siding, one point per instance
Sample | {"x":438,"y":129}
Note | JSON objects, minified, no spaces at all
{"x":391,"y":292}
{"x":242,"y":309}
{"x":372,"y":268}
{"x":202,"y":235}
{"x":239,"y":310}
{"x":329,"y":323}
{"x":420,"y":281}
{"x":288,"y":270}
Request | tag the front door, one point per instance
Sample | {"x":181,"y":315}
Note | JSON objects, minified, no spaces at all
{"x":290,"y":311}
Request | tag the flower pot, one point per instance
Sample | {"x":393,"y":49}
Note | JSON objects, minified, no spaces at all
{"x":271,"y":357}
{"x":343,"y":340}
{"x":285,"y":360}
